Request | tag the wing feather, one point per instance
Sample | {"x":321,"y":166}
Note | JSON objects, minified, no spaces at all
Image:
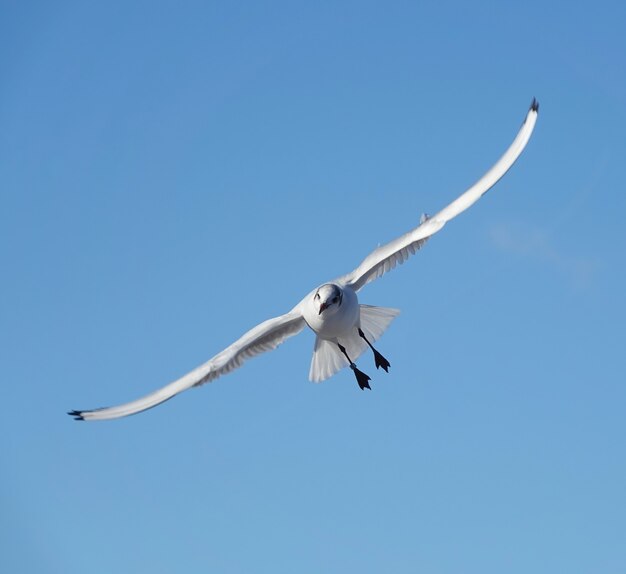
{"x":386,"y":257}
{"x":262,"y":338}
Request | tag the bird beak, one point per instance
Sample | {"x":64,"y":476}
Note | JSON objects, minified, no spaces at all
{"x":322,"y":307}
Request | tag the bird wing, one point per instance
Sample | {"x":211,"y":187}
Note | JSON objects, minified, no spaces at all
{"x":386,"y":257}
{"x":264,"y":337}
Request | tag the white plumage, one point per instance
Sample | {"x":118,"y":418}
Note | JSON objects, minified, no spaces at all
{"x":343,"y":327}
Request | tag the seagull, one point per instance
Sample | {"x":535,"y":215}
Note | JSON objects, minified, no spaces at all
{"x":344,"y":328}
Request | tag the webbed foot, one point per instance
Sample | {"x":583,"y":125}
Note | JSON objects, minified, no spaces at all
{"x":381,"y":361}
{"x":361,"y":378}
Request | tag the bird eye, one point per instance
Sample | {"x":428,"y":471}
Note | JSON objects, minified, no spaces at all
{"x":335,"y":299}
{"x":317,"y":296}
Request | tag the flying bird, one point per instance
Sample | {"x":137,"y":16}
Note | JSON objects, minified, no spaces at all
{"x":344,"y":328}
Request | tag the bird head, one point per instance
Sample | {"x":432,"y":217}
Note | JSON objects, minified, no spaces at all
{"x":328,"y":298}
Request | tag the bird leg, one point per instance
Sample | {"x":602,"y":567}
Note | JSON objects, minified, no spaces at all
{"x":361,"y":378}
{"x":378,"y":358}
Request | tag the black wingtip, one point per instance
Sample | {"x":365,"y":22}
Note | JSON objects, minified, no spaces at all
{"x":77,"y":415}
{"x":534,"y":106}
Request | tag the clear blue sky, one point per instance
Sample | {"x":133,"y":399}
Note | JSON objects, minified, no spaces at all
{"x":173,"y":173}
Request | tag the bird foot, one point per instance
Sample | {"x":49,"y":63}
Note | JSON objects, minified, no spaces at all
{"x":381,"y":361}
{"x":361,"y":378}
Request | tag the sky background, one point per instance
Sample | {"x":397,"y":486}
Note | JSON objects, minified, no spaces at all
{"x":173,"y":173}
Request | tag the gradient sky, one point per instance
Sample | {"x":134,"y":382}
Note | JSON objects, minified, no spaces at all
{"x":172,"y":173}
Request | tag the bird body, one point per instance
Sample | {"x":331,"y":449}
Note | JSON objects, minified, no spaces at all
{"x":331,"y":311}
{"x":343,"y":327}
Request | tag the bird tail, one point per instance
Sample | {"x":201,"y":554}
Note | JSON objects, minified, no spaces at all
{"x":375,"y":320}
{"x":328,"y":359}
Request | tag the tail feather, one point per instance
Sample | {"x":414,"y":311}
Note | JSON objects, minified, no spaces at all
{"x":328,"y":359}
{"x":375,"y":320}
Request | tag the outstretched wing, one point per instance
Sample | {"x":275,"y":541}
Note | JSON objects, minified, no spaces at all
{"x":264,"y":337}
{"x":388,"y":256}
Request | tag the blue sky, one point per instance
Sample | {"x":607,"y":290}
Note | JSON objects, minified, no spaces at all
{"x":172,"y":174}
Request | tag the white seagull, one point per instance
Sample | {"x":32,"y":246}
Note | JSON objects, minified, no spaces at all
{"x":344,"y":328}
